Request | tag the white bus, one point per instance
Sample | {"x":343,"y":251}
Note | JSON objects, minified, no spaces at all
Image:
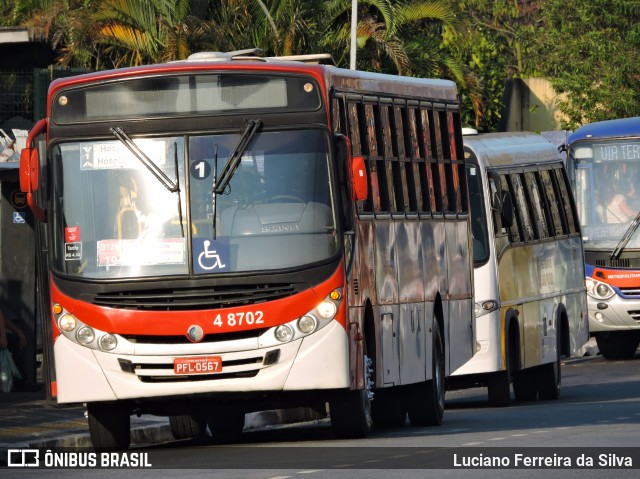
{"x":530,"y":298}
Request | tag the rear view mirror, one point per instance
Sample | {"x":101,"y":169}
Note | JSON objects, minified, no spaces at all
{"x":506,"y":211}
{"x":359,"y":183}
{"x":355,"y":167}
{"x":30,"y":170}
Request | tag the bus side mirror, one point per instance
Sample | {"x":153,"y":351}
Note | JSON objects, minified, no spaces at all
{"x":359,"y":183}
{"x":357,"y":180}
{"x":30,"y":170}
{"x":506,"y":210}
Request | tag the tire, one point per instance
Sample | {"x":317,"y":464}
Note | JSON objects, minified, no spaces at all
{"x":525,"y":387}
{"x":426,"y":404}
{"x":388,"y":408}
{"x":499,"y":388}
{"x":226,"y":425}
{"x":618,"y":344}
{"x":350,"y":411}
{"x":549,"y":377}
{"x":188,"y":427}
{"x":109,"y":426}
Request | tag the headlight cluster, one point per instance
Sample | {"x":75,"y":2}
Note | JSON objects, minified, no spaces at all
{"x":598,"y":290}
{"x":309,"y":323}
{"x":485,"y":307}
{"x":78,"y":332}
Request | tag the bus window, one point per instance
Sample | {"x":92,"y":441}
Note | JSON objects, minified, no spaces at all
{"x":539,"y":216}
{"x":552,"y":201}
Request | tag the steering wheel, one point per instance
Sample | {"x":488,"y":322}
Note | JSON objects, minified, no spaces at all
{"x":285,"y":199}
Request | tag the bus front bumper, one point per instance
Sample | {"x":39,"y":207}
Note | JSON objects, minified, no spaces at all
{"x":318,"y":361}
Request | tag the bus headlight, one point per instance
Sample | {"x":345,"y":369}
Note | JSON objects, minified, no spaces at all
{"x":284,"y":333}
{"x":67,"y":323}
{"x":85,"y":335}
{"x":307,"y":324}
{"x":322,"y":314}
{"x":108,"y":342}
{"x":327,"y":309}
{"x":598,"y":290}
{"x":80,"y":333}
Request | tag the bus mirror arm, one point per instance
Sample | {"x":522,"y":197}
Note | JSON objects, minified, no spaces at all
{"x":30,"y":170}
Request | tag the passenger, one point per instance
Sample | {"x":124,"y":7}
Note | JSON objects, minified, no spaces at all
{"x":12,"y":337}
{"x":618,"y":209}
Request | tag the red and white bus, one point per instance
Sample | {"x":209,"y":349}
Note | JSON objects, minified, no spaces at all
{"x":231,"y":233}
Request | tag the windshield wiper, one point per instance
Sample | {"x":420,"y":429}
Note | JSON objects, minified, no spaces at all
{"x":144,"y":159}
{"x":626,"y":238}
{"x":234,"y":161}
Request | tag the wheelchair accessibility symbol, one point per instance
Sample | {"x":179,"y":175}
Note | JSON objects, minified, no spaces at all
{"x":210,"y":256}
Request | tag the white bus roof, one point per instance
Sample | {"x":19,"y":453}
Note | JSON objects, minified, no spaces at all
{"x":513,"y":148}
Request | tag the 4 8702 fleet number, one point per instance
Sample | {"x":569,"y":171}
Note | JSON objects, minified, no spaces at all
{"x":234,"y":320}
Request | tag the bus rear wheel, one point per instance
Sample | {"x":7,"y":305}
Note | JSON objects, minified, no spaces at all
{"x":226,"y":424}
{"x":109,"y":426}
{"x":426,"y":403}
{"x":187,"y":427}
{"x":388,"y":409}
{"x":499,"y":389}
{"x":525,"y":387}
{"x":549,"y":377}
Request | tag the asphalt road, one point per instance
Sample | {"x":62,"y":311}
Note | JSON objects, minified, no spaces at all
{"x":597,"y":418}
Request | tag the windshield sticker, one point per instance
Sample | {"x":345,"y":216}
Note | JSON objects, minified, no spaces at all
{"x":200,"y":170}
{"x":111,"y":155}
{"x":72,"y":251}
{"x":116,"y":252}
{"x":72,"y":234}
{"x":211,"y":255}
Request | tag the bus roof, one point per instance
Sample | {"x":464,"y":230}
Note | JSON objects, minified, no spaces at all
{"x":621,"y":127}
{"x":344,"y":79}
{"x":513,"y":148}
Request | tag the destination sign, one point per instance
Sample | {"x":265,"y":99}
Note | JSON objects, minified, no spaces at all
{"x":627,"y":151}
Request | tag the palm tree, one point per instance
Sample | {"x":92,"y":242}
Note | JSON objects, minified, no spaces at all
{"x":379,"y":29}
{"x":135,"y":32}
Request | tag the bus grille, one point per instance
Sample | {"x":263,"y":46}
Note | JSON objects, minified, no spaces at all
{"x":635,"y":291}
{"x":195,"y":298}
{"x":635,"y":315}
{"x":618,"y":263}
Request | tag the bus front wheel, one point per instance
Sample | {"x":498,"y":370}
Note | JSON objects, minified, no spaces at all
{"x":350,"y":411}
{"x":618,"y":344}
{"x":109,"y":425}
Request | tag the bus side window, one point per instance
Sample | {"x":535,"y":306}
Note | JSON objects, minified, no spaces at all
{"x":567,"y":200}
{"x":514,"y":231}
{"x":552,"y":202}
{"x":539,"y":216}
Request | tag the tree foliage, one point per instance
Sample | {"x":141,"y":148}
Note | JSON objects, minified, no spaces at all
{"x":590,"y":51}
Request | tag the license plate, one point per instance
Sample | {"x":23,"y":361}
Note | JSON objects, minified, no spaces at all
{"x":199,"y":365}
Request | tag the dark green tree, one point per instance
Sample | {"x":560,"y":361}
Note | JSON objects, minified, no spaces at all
{"x":590,"y":51}
{"x":495,"y":41}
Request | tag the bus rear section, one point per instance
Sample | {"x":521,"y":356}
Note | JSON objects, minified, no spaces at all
{"x":604,"y":161}
{"x":530,"y":300}
{"x":216,"y":244}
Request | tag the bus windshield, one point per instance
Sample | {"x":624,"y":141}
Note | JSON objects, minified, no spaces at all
{"x":478,"y":215}
{"x":605,"y":193}
{"x":117,"y":218}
